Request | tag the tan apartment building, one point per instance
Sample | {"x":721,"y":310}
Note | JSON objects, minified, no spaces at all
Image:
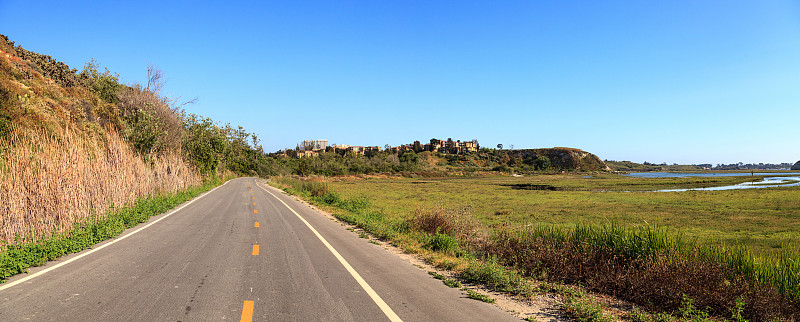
{"x":458,"y":145}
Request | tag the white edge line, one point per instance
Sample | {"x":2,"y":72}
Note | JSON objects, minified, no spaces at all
{"x":34,"y":275}
{"x":372,"y":294}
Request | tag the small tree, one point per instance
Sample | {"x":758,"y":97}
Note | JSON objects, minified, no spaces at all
{"x":105,"y":84}
{"x":542,"y":163}
{"x":418,"y":147}
{"x":450,"y":146}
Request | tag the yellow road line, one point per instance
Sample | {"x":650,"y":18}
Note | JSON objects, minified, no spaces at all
{"x":255,"y":250}
{"x":247,"y":311}
{"x":372,"y":294}
{"x":256,"y":224}
{"x":255,"y":211}
{"x":254,"y":204}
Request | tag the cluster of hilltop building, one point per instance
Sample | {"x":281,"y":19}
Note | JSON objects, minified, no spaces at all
{"x":311,"y":148}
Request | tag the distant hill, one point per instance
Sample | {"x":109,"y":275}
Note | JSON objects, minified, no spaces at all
{"x":796,"y":166}
{"x":569,"y":159}
{"x":628,"y":166}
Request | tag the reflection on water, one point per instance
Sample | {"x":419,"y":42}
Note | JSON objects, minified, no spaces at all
{"x":705,"y":174}
{"x":768,"y":182}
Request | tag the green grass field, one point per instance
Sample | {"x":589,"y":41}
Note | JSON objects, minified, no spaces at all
{"x":608,"y":233}
{"x":761,"y":219}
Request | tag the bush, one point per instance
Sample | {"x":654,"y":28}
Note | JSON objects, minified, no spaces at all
{"x":456,"y":222}
{"x":317,"y":189}
{"x":443,"y":243}
{"x":105,"y":84}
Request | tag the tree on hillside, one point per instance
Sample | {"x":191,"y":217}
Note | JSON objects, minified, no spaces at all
{"x":153,"y":123}
{"x":500,"y":146}
{"x":450,"y":146}
{"x":542,"y":163}
{"x":417,"y":147}
{"x":204,"y":143}
{"x":105,"y":84}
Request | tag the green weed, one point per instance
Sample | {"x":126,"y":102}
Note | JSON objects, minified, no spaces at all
{"x":447,"y":281}
{"x":443,"y":243}
{"x":477,"y":296}
{"x":585,"y":309}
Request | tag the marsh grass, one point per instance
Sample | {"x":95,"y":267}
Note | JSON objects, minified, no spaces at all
{"x":763,"y":220}
{"x":650,"y":267}
{"x":654,"y":266}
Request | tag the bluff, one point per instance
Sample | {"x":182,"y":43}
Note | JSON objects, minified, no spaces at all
{"x":66,"y":153}
{"x":796,"y":166}
{"x":569,"y":159}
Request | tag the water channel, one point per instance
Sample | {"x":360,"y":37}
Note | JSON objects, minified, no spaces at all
{"x":771,"y":179}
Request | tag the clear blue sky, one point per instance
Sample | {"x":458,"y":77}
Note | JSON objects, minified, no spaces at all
{"x":658,"y":81}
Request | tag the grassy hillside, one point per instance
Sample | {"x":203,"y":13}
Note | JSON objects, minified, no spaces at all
{"x":76,"y":144}
{"x":409,"y":163}
{"x":64,"y":156}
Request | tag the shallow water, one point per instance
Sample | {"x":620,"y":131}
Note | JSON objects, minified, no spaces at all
{"x":768,"y":182}
{"x":704,"y":174}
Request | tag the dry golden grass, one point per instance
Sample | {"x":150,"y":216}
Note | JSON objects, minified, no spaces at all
{"x":49,"y":181}
{"x":64,"y":161}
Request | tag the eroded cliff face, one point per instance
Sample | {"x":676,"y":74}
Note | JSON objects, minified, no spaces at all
{"x":569,"y":159}
{"x":796,"y":166}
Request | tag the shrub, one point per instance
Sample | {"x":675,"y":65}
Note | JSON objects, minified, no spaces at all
{"x":443,"y":243}
{"x":456,"y":222}
{"x":105,"y":84}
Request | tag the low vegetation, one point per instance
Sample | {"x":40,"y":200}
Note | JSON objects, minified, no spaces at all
{"x":656,"y":264}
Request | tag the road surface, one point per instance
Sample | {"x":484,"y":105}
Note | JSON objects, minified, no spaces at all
{"x":243,"y":251}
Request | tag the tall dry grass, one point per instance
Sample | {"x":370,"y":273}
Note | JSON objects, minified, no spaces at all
{"x":50,"y":181}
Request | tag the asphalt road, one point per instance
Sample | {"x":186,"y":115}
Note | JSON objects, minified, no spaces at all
{"x":244,"y":250}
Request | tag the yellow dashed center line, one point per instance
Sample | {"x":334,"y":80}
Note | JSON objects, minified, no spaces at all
{"x":256,"y":224}
{"x":255,"y":250}
{"x":254,"y":204}
{"x":255,"y":211}
{"x":247,"y":311}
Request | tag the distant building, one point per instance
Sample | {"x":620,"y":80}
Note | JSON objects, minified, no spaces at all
{"x":312,"y":148}
{"x":307,"y":154}
{"x":445,"y":146}
{"x":321,"y":145}
{"x":308,"y":145}
{"x":314,"y":145}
